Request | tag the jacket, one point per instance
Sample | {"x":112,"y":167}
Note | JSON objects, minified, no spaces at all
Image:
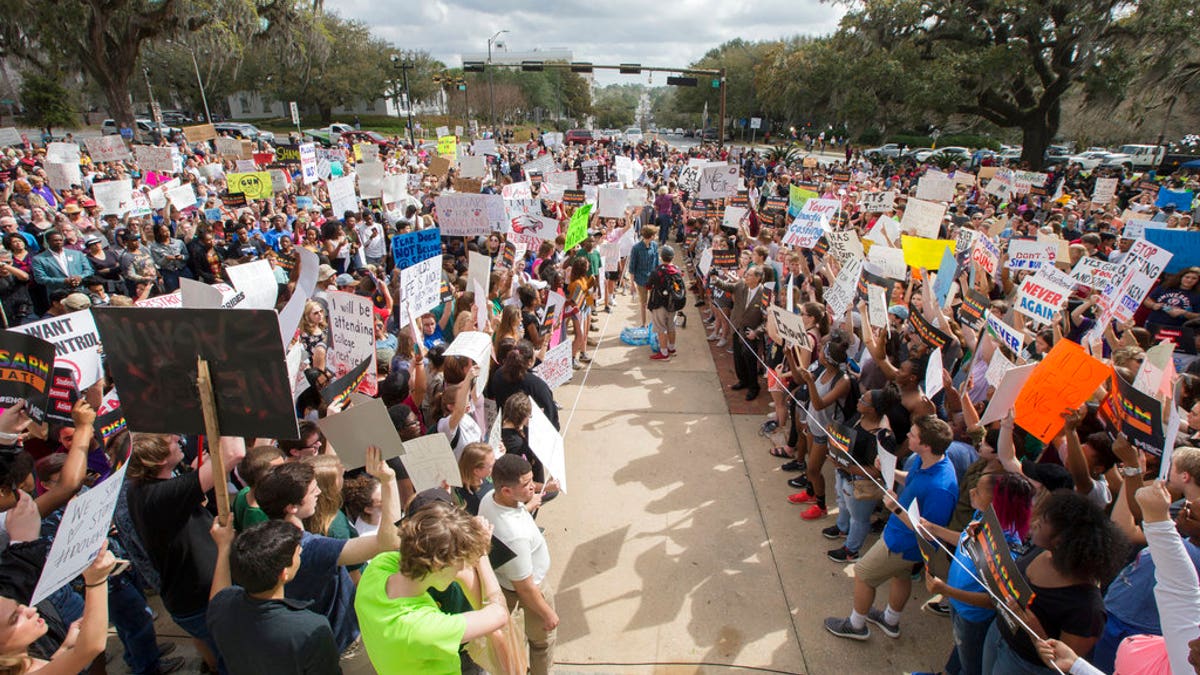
{"x":744,"y":317}
{"x":47,"y":272}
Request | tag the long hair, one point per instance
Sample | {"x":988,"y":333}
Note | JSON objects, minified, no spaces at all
{"x":307,"y":325}
{"x":328,"y":469}
{"x":1012,"y":500}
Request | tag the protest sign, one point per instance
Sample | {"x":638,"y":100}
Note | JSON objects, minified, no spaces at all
{"x":725,"y":258}
{"x":10,"y":136}
{"x":936,"y":188}
{"x":342,"y":197}
{"x":182,"y":197}
{"x":734,"y":217}
{"x":532,"y":230}
{"x":1005,"y":334}
{"x":887,"y":465}
{"x":63,"y":176}
{"x":890,"y":261}
{"x":612,"y":202}
{"x":410,"y":248}
{"x":1001,"y":184}
{"x":255,"y":185}
{"x":841,"y":296}
{"x":110,"y":420}
{"x":1136,"y":414}
{"x":107,"y":148}
{"x":922,"y":218}
{"x":974,"y":306}
{"x":556,"y":369}
{"x":76,"y":344}
{"x":577,"y":229}
{"x":547,"y":443}
{"x":521,"y":190}
{"x":257,"y":281}
{"x":885,"y":232}
{"x":877,"y":202}
{"x":114,"y":196}
{"x":1184,"y":244}
{"x":370,"y":180}
{"x":923,"y":253}
{"x":160,"y":159}
{"x":1104,"y":191}
{"x":199,"y":133}
{"x":420,"y":287}
{"x":718,"y":181}
{"x":798,"y":196}
{"x":1136,"y":228}
{"x":25,"y":369}
{"x":1180,"y":199}
{"x":81,"y":532}
{"x":62,"y":396}
{"x":946,"y":271}
{"x":360,"y":426}
{"x":1012,"y":380}
{"x":1031,"y":254}
{"x":1093,"y":272}
{"x":477,"y":346}
{"x":430,"y":461}
{"x":469,"y":215}
{"x":592,"y":172}
{"x":790,"y":327}
{"x":1062,"y":381}
{"x":152,"y":356}
{"x":62,"y":153}
{"x":993,"y":559}
{"x":810,"y":224}
{"x":479,"y":270}
{"x":986,"y":254}
{"x":877,"y":306}
{"x":997,"y":367}
{"x":352,"y":329}
{"x":844,"y":245}
{"x":543,"y":165}
{"x":1041,"y":299}
{"x":927,"y":332}
{"x":447,"y":146}
{"x":933,"y":373}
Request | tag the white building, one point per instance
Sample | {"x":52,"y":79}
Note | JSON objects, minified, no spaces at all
{"x":251,"y":105}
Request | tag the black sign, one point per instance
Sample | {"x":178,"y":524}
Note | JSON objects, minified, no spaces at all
{"x":574,"y":197}
{"x":26,"y":367}
{"x":233,"y":199}
{"x":63,"y":394}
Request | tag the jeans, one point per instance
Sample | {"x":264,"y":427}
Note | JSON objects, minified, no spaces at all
{"x":967,"y":656}
{"x":1000,"y":659}
{"x":1104,"y":654}
{"x":129,"y":613}
{"x":196,"y":625}
{"x":854,"y":515}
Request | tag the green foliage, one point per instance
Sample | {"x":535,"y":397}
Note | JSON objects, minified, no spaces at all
{"x":784,"y":154}
{"x":616,"y":105}
{"x":47,"y":103}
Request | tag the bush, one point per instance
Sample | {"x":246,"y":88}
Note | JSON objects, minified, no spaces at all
{"x":870,"y":137}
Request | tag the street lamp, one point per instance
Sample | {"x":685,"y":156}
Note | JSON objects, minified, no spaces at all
{"x":196,"y":65}
{"x":404,"y":64}
{"x":491,"y":94}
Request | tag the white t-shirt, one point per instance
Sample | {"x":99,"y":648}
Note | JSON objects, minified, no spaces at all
{"x":517,"y":529}
{"x":468,"y":431}
{"x":374,"y":248}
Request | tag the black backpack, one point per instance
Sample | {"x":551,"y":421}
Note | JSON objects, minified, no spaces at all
{"x":676,"y":292}
{"x":849,"y":407}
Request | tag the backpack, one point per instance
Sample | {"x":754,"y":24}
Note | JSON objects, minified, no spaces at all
{"x":848,"y":410}
{"x":676,"y":298}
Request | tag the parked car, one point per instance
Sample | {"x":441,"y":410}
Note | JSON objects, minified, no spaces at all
{"x":1136,"y":156}
{"x":678,"y":131}
{"x":609,"y":135}
{"x":952,"y":152}
{"x":244,"y":130}
{"x":913,"y":153}
{"x":353,"y":137}
{"x":709,"y":134}
{"x":175,"y":117}
{"x":1089,"y":160}
{"x":144,"y":130}
{"x":582,"y":136}
{"x":885,"y":150}
{"x":633,"y":135}
{"x":1011,"y":154}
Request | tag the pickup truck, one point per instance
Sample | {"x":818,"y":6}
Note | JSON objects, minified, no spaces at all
{"x":330,"y":134}
{"x":1136,"y":156}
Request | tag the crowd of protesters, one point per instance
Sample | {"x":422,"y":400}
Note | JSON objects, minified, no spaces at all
{"x":321,"y":562}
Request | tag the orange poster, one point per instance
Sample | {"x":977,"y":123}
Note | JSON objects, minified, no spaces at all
{"x":1063,"y":381}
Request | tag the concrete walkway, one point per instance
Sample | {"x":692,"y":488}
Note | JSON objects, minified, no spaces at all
{"x":676,"y":550}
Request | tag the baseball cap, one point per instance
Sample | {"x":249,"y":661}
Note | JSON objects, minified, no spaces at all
{"x":325,"y":272}
{"x":900,"y":311}
{"x":344,"y":280}
{"x":93,"y":239}
{"x":76,"y":301}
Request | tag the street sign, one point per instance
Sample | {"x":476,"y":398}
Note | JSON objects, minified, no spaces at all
{"x":156,"y":112}
{"x":295,"y":113}
{"x":755,"y":122}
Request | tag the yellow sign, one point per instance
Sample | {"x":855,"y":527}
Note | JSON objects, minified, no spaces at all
{"x":255,"y":185}
{"x":925,"y":253}
{"x":448,"y":146}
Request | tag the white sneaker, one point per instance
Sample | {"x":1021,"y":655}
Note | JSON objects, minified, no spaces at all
{"x":722,"y":342}
{"x":576,"y":364}
{"x":713,"y":337}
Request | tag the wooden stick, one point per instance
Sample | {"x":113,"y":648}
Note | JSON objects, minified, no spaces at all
{"x":212,"y":432}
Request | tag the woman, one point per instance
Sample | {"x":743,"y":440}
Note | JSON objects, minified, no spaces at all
{"x":336,"y":246}
{"x":22,"y":626}
{"x":827,"y":389}
{"x":509,"y":327}
{"x":1176,"y":301}
{"x":312,"y":336}
{"x":328,"y":519}
{"x":475,"y":470}
{"x":22,"y":259}
{"x":971,"y":608}
{"x":515,"y":374}
{"x":577,"y":310}
{"x":105,"y":263}
{"x":14,"y":292}
{"x":312,"y":241}
{"x":169,"y":257}
{"x":403,"y":629}
{"x":855,"y":491}
{"x":1076,"y":547}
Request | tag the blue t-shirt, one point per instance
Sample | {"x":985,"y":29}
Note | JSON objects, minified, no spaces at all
{"x":326,"y":584}
{"x":1130,"y":596}
{"x":961,"y":578}
{"x":936,"y":489}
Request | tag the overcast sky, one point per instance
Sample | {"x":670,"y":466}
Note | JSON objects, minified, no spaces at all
{"x":667,"y":34}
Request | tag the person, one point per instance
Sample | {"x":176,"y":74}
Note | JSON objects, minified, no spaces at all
{"x":289,"y":492}
{"x":515,"y":374}
{"x":935,"y":487}
{"x":524,"y":577}
{"x":170,"y":520}
{"x":475,"y":472}
{"x":59,"y":268}
{"x":1076,"y":547}
{"x":137,"y":264}
{"x":747,"y":318}
{"x":404,"y":630}
{"x":827,"y":389}
{"x":664,"y":282}
{"x":22,"y":625}
{"x":643,"y":259}
{"x":170,"y":257}
{"x":257,"y":629}
{"x":258,"y":461}
{"x":1176,"y":301}
{"x":363,"y":497}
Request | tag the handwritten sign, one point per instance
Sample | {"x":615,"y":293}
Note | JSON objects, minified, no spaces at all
{"x":410,"y":248}
{"x":877,"y":202}
{"x":1062,"y":381}
{"x":718,"y":181}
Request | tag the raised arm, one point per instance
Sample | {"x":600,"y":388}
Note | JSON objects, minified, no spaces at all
{"x":75,"y":468}
{"x":387,"y":537}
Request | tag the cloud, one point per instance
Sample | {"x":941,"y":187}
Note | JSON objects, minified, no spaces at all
{"x":668,"y":35}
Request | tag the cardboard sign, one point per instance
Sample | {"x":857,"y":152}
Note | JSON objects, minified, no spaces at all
{"x":470,"y":215}
{"x":1104,"y":191}
{"x":83,"y":529}
{"x":1030,"y":254}
{"x":888,"y":261}
{"x":255,"y":185}
{"x":936,"y":188}
{"x":26,"y":364}
{"x":811,"y":223}
{"x":352,"y":329}
{"x":922,"y":218}
{"x":152,"y":354}
{"x":923,"y":253}
{"x":154,"y":158}
{"x":107,"y":148}
{"x":718,"y":181}
{"x":430,"y":461}
{"x":1005,"y":334}
{"x":877,"y":202}
{"x":114,"y":196}
{"x":76,"y":344}
{"x":199,"y":133}
{"x":556,"y":369}
{"x":1041,"y":299}
{"x":841,"y":295}
{"x":1138,"y":415}
{"x":420,"y":287}
{"x":1062,"y":381}
{"x":360,"y":426}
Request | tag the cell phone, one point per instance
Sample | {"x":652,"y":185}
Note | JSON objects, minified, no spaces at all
{"x":119,"y":568}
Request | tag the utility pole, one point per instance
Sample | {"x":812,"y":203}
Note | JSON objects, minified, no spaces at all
{"x":491,"y":93}
{"x":404,"y":64}
{"x":721,"y":133}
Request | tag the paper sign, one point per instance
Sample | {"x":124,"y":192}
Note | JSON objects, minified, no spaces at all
{"x":933,"y":374}
{"x":83,"y":529}
{"x":114,"y":196}
{"x":812,"y":221}
{"x":1005,"y":334}
{"x":997,"y":367}
{"x":360,"y":426}
{"x":107,"y":148}
{"x":1062,"y":381}
{"x":352,"y":329}
{"x":1006,"y":392}
{"x":410,"y":248}
{"x":1030,"y":254}
{"x":76,"y":344}
{"x":429,"y":461}
{"x":556,"y":369}
{"x":923,"y":218}
{"x":200,"y":133}
{"x":152,"y":353}
{"x":928,"y":333}
{"x":935,"y":188}
{"x":257,"y":281}
{"x":890,"y":261}
{"x":577,"y":228}
{"x":547,"y":443}
{"x":887,"y":466}
{"x":420,"y":287}
{"x":718,"y":181}
{"x":842,"y":294}
{"x":877,"y":202}
{"x":182,"y":197}
{"x":1041,"y":299}
{"x":470,"y":215}
{"x":924,"y":253}
{"x":255,"y":185}
{"x":877,"y":306}
{"x":476,"y":346}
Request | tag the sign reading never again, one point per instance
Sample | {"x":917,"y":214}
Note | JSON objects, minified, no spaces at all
{"x":152,"y":355}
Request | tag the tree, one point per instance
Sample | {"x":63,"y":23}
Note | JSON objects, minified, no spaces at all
{"x":105,"y":39}
{"x":739,"y":59}
{"x":1008,"y":63}
{"x":47,"y":103}
{"x":616,"y":105}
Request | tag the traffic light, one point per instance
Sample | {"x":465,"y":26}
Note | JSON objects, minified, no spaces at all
{"x":472,"y":66}
{"x":680,"y":81}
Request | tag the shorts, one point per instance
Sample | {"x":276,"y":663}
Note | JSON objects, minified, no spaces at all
{"x":612,"y":276}
{"x":774,"y":382}
{"x":881,"y":564}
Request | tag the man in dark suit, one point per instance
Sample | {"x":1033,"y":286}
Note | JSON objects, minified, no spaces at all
{"x":747,"y":317}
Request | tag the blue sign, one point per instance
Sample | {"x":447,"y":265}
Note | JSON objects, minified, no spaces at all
{"x":1184,"y":244}
{"x":304,"y":202}
{"x":127,"y":133}
{"x":410,"y":248}
{"x":1182,"y":199}
{"x":946,"y":272}
{"x":212,"y":215}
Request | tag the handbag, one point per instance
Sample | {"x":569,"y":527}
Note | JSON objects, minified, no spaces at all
{"x":867,"y":489}
{"x":503,"y":651}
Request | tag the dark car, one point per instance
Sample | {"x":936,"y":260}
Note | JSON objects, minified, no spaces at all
{"x":709,"y":134}
{"x":584,"y":136}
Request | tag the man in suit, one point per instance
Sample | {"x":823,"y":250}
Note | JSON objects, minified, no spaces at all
{"x":747,"y":318}
{"x":58,"y":267}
